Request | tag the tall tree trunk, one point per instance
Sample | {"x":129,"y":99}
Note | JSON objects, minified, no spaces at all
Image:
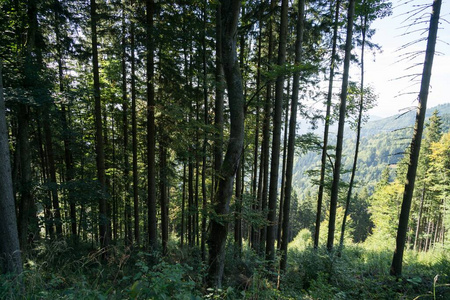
{"x":219,"y":224}
{"x":52,"y":172}
{"x":10,"y":256}
{"x":47,"y":203}
{"x":125,"y":105}
{"x":266,"y":134}
{"x":27,"y":207}
{"x":134,"y":134}
{"x":151,"y":142}
{"x":99,"y":147}
{"x":190,"y":206}
{"x":163,"y":196}
{"x":291,"y":141}
{"x":358,"y":132}
{"x":397,"y":260}
{"x":276,"y":139}
{"x":68,"y":156}
{"x":326,"y":129}
{"x":205,"y":136}
{"x":283,"y":170}
{"x":218,"y":105}
{"x":253,"y":232}
{"x":238,"y":210}
{"x":340,"y":135}
{"x":419,"y":219}
{"x":183,"y":205}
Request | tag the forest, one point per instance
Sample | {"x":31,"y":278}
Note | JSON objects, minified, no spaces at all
{"x":217,"y":149}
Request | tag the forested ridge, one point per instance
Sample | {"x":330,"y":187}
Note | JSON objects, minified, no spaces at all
{"x":383,"y":143}
{"x":158,"y":150}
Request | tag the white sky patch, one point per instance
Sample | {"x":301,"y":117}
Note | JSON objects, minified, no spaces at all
{"x":381,"y":72}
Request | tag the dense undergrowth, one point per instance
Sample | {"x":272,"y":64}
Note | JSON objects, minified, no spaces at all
{"x":61,"y":271}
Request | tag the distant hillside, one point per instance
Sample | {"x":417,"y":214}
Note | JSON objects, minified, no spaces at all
{"x":383,"y":143}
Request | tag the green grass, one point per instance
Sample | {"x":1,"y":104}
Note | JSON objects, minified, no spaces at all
{"x":61,"y":271}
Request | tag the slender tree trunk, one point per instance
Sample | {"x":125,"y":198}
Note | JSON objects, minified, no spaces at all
{"x":218,"y":105}
{"x":69,"y":176}
{"x":276,"y":139}
{"x":340,"y":135}
{"x":134,"y":135}
{"x":197,"y":179}
{"x":163,"y":196}
{"x":419,"y":219}
{"x":219,"y":224}
{"x":358,"y":134}
{"x":205,"y":136}
{"x":326,"y":129}
{"x":99,"y":149}
{"x":397,"y":260}
{"x":238,"y":210}
{"x":283,"y":171}
{"x":292,"y":131}
{"x":125,"y":105}
{"x":47,"y":203}
{"x":27,"y":207}
{"x":253,"y":231}
{"x":190,"y":214}
{"x":68,"y":156}
{"x":183,"y":205}
{"x":266,"y":135}
{"x":151,"y":142}
{"x":10,"y":256}
{"x":52,"y":172}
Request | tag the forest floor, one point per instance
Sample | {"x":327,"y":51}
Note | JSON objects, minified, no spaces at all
{"x":59,"y":270}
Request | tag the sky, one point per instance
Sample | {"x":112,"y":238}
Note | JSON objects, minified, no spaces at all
{"x":382,"y":69}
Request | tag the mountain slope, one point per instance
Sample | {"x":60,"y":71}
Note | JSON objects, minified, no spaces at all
{"x":383,"y":143}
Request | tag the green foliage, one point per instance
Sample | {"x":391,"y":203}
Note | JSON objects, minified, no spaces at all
{"x":361,"y":272}
{"x":163,"y":281}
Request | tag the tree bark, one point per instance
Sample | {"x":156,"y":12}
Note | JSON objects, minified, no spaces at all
{"x":397,"y":260}
{"x":340,"y":135}
{"x":10,"y":256}
{"x":219,"y":222}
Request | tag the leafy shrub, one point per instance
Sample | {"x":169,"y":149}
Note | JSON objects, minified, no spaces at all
{"x":164,"y":281}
